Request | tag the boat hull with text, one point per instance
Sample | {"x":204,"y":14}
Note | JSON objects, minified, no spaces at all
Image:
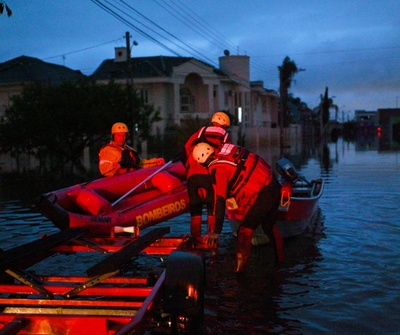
{"x":103,"y":204}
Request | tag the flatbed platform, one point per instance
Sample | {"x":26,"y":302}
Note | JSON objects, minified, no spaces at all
{"x":105,"y":301}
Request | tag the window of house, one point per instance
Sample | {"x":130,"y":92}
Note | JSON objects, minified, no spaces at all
{"x":264,"y":106}
{"x":227,"y":96}
{"x":247,"y":99}
{"x":186,"y":99}
{"x":238,"y":99}
{"x":144,"y":96}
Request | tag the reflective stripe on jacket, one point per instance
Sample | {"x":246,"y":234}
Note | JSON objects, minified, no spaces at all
{"x":237,"y":173}
{"x":215,"y":136}
{"x":110,"y":154}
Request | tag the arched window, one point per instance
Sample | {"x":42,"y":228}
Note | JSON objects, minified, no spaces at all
{"x":187,"y":100}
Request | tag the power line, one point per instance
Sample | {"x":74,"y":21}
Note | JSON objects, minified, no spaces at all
{"x":165,"y":31}
{"x":332,"y":51}
{"x":129,"y":24}
{"x":114,"y":12}
{"x":193,"y":20}
{"x":188,"y":18}
{"x":179,"y":11}
{"x":84,"y":49}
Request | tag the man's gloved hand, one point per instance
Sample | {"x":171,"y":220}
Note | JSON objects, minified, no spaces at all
{"x":189,"y":243}
{"x":116,"y":167}
{"x":211,"y":239}
{"x":152,"y":162}
{"x":160,"y":161}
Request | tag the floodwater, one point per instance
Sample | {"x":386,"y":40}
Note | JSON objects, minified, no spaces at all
{"x":342,"y":276}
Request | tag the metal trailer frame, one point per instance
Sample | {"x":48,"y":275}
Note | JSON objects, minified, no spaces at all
{"x":103,"y":303}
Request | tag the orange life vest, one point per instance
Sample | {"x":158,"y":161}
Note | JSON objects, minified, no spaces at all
{"x":252,"y":172}
{"x":215,"y":136}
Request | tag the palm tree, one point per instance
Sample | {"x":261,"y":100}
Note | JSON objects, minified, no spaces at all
{"x":286,"y":73}
{"x":4,"y":5}
{"x":322,"y":111}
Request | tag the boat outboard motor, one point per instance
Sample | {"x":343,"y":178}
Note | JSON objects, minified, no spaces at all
{"x":287,"y":170}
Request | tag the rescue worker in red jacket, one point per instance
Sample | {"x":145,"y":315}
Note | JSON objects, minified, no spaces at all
{"x":199,"y":184}
{"x":247,"y":180}
{"x":116,"y":157}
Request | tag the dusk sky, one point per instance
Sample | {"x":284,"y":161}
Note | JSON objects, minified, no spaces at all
{"x":350,"y":46}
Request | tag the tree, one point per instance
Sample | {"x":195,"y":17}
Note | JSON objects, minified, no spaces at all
{"x":56,"y":123}
{"x":323,"y":110}
{"x":4,"y":5}
{"x":142,"y":115}
{"x":286,"y":73}
{"x":177,"y":135}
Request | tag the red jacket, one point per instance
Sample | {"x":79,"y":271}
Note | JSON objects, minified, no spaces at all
{"x":240,"y":174}
{"x":215,"y":136}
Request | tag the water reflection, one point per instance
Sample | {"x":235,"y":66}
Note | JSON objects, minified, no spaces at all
{"x":342,"y":276}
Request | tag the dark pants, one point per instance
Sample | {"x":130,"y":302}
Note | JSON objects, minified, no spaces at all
{"x":201,"y":192}
{"x":265,"y":209}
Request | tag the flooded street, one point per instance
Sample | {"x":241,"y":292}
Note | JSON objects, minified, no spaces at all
{"x":342,"y":276}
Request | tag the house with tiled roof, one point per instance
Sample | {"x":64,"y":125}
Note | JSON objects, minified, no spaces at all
{"x":178,"y":87}
{"x":17,"y":72}
{"x":184,"y":86}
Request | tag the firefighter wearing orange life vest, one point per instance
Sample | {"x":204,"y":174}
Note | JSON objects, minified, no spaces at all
{"x":116,"y":157}
{"x":248,"y":181}
{"x":199,"y":184}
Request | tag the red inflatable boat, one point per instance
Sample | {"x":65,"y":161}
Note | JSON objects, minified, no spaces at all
{"x":137,"y":199}
{"x":143,"y":198}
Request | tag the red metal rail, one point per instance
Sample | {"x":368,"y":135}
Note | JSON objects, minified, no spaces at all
{"x":103,"y":303}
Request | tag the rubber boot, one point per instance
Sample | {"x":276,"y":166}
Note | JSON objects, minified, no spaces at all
{"x":243,"y":248}
{"x":195,"y":226}
{"x":214,"y":247}
{"x":280,"y":254}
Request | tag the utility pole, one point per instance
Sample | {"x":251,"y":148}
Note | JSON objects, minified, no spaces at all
{"x":128,"y":58}
{"x":129,"y":85}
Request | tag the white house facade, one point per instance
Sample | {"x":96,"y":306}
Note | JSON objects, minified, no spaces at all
{"x":180,"y":87}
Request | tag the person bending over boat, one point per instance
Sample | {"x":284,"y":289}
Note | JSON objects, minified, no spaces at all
{"x":246,"y":181}
{"x":199,"y":183}
{"x":116,"y":157}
